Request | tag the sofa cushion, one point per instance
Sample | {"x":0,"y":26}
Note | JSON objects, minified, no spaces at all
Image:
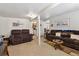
{"x":15,"y":32}
{"x":25,"y":31}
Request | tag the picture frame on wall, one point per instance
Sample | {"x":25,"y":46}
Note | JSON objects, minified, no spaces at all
{"x":51,"y":25}
{"x":17,"y":23}
{"x":64,"y":23}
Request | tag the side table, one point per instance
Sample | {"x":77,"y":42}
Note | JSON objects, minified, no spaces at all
{"x":3,"y":48}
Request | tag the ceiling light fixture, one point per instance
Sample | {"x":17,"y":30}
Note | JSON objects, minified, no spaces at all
{"x":31,"y":15}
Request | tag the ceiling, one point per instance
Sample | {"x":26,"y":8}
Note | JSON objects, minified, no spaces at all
{"x":59,"y":9}
{"x":46,"y":10}
{"x":19,"y":10}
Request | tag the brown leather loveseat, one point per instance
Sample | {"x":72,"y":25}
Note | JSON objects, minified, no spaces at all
{"x":20,"y":36}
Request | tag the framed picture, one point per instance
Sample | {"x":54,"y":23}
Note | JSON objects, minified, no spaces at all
{"x":51,"y":25}
{"x":17,"y":23}
{"x":63,"y":23}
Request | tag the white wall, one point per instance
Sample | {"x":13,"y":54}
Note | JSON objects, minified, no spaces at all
{"x":6,"y":25}
{"x":44,"y":24}
{"x":72,"y":18}
{"x":42,"y":27}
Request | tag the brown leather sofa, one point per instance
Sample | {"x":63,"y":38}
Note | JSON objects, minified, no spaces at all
{"x":52,"y":35}
{"x":66,"y":38}
{"x":65,"y":35}
{"x":20,"y":36}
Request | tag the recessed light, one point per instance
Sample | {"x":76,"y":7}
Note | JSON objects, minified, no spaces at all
{"x":31,"y":15}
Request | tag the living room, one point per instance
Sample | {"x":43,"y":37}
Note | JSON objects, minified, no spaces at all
{"x":28,"y":28}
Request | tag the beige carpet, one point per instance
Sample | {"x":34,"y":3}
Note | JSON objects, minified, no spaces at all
{"x":33,"y":49}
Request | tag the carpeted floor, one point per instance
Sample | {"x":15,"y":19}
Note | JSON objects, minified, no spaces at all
{"x":33,"y":49}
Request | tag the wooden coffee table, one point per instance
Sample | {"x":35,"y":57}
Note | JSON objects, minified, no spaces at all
{"x":57,"y":44}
